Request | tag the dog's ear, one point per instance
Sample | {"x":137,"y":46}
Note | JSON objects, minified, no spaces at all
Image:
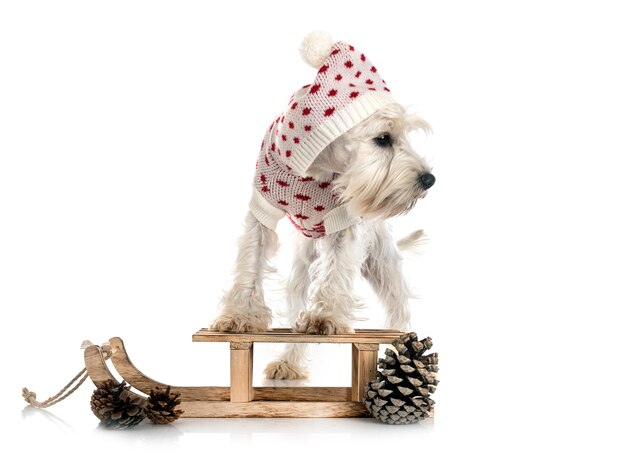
{"x":333,"y":159}
{"x":415,"y":122}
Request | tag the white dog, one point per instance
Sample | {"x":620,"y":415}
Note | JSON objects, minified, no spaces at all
{"x":338,"y":163}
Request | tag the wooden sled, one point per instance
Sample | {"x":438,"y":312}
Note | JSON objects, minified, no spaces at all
{"x":241,"y":399}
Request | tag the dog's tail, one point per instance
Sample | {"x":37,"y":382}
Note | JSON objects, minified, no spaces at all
{"x":411,"y":242}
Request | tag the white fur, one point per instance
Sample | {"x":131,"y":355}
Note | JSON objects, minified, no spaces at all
{"x":315,"y":48}
{"x":377,"y":183}
{"x":331,"y":296}
{"x":243,"y":306}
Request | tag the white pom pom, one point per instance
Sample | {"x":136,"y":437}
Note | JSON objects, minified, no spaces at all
{"x":315,"y":48}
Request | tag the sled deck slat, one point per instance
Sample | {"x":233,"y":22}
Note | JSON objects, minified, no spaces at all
{"x":286,"y":335}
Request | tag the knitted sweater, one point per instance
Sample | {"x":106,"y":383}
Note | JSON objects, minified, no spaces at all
{"x":310,"y":205}
{"x":347,"y":89}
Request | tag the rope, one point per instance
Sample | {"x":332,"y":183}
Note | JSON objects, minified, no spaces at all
{"x":31,"y":397}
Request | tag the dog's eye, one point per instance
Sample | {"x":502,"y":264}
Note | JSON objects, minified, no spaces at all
{"x":384,"y":140}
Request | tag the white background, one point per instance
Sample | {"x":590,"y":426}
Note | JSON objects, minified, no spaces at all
{"x":128,"y":135}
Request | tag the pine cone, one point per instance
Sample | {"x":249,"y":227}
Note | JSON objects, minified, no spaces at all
{"x":400,"y":394}
{"x":116,"y":406}
{"x":162,"y":405}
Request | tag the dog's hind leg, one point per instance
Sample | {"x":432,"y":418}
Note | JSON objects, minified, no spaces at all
{"x":243,"y":305}
{"x":292,"y":363}
{"x":383,"y":270}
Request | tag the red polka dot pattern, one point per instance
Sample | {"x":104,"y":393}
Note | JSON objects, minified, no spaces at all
{"x":345,"y":76}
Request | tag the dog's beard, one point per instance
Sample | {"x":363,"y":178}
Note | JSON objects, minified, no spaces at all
{"x":381,"y":187}
{"x":396,"y":203}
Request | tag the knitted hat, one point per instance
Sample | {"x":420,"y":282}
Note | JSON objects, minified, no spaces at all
{"x":346,"y":90}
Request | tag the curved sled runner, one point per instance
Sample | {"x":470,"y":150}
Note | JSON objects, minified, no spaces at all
{"x":241,"y":399}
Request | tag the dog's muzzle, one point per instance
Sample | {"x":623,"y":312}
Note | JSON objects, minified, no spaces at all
{"x":426,"y":180}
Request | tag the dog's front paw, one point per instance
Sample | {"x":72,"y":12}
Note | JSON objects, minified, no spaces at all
{"x":280,"y":369}
{"x":239,"y":323}
{"x":321,"y":323}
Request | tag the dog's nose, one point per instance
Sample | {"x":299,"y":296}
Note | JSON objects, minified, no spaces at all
{"x":426,"y":180}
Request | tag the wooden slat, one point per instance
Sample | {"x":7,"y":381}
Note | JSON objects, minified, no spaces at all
{"x":285,"y":335}
{"x":199,"y":409}
{"x":303,"y":394}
